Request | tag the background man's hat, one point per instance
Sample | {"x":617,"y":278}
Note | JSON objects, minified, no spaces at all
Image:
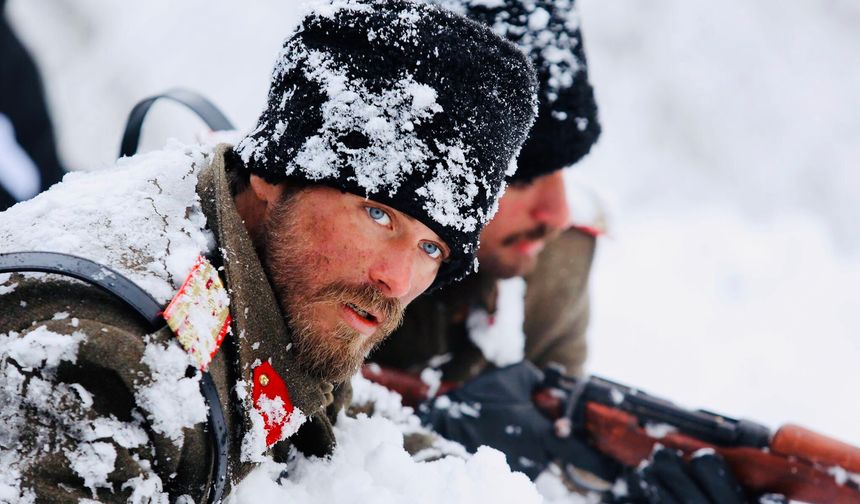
{"x":404,"y":103}
{"x":548,"y":31}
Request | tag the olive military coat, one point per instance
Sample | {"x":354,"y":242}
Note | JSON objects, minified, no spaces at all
{"x":48,"y":442}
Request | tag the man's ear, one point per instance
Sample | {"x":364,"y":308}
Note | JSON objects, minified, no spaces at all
{"x":267,"y":193}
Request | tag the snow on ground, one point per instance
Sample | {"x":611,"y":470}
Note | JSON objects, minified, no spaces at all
{"x":370,"y":465}
{"x":752,"y":319}
{"x":729,"y":155}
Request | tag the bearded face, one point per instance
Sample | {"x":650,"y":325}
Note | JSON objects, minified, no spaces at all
{"x":335,"y":319}
{"x":530,"y":216}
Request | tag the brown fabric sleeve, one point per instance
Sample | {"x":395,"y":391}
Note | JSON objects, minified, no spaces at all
{"x":557,"y":303}
{"x":107,"y":369}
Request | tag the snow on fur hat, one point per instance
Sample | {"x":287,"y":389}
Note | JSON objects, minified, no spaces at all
{"x":403,"y":103}
{"x":548,"y":31}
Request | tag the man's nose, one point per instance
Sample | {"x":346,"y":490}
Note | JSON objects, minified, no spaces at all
{"x":550,"y":201}
{"x":392,"y":271}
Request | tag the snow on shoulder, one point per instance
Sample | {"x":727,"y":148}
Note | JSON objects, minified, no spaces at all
{"x":171,"y":399}
{"x":75,"y":431}
{"x":141,"y":217}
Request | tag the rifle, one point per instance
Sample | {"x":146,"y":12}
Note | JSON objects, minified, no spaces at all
{"x":625,"y":424}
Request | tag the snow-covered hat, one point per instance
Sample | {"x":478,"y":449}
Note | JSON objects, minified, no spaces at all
{"x":548,"y":31}
{"x":403,"y":103}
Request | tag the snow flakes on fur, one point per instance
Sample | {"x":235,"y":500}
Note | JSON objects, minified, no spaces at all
{"x":403,"y":103}
{"x":549,"y":33}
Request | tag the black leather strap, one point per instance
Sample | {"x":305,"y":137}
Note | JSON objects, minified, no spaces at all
{"x":194,"y":101}
{"x":88,"y":271}
{"x":148,"y":308}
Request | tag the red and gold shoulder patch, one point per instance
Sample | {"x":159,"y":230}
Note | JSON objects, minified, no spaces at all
{"x":199,"y":314}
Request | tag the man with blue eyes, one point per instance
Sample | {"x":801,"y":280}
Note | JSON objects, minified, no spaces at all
{"x":533,"y":235}
{"x":345,"y":282}
{"x":457,"y":330}
{"x":280,"y":261}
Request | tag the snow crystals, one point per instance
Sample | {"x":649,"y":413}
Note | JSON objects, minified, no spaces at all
{"x":5,"y":286}
{"x":93,"y":462}
{"x":389,"y":150}
{"x":86,"y":442}
{"x":535,"y":33}
{"x":143,"y":219}
{"x":386,"y":403}
{"x":148,"y":489}
{"x":500,"y":337}
{"x":254,"y":444}
{"x":40,"y":347}
{"x":369,"y":464}
{"x":172,"y":400}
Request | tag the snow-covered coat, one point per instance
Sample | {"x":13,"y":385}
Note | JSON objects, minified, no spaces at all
{"x":93,"y":406}
{"x":435,"y":332}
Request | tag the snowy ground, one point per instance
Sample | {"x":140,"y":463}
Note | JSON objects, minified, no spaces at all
{"x":730,"y":156}
{"x":728,"y":159}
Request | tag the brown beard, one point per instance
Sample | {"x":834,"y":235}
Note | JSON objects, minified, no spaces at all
{"x":331,"y":355}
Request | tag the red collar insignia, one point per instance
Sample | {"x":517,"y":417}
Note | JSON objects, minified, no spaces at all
{"x":272,"y":401}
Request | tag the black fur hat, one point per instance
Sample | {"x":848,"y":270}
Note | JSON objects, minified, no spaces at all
{"x":548,"y":31}
{"x":403,"y":103}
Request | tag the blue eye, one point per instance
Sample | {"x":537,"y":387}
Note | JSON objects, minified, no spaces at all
{"x":379,"y":215}
{"x":431,"y":249}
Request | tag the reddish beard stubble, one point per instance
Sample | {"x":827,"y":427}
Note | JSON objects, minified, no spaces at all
{"x":292,"y":266}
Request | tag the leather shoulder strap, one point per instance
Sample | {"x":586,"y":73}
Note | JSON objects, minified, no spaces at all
{"x":148,"y":308}
{"x":206,"y":110}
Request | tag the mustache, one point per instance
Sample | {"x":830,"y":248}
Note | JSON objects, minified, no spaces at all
{"x":539,"y":232}
{"x":388,"y":311}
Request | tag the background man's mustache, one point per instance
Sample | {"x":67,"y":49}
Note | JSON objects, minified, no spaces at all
{"x":537,"y":233}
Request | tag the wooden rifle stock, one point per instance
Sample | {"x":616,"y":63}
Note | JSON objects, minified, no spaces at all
{"x":410,"y":386}
{"x":795,"y":462}
{"x":793,"y":440}
{"x":799,"y":474}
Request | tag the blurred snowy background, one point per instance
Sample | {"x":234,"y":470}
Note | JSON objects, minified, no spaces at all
{"x":729,"y":162}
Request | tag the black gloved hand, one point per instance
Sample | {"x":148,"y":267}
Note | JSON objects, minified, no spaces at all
{"x":667,"y":479}
{"x":496,"y":409}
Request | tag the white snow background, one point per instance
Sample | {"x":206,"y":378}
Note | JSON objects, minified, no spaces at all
{"x":729,"y":162}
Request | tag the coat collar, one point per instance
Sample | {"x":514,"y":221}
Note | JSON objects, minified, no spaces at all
{"x":258,"y":327}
